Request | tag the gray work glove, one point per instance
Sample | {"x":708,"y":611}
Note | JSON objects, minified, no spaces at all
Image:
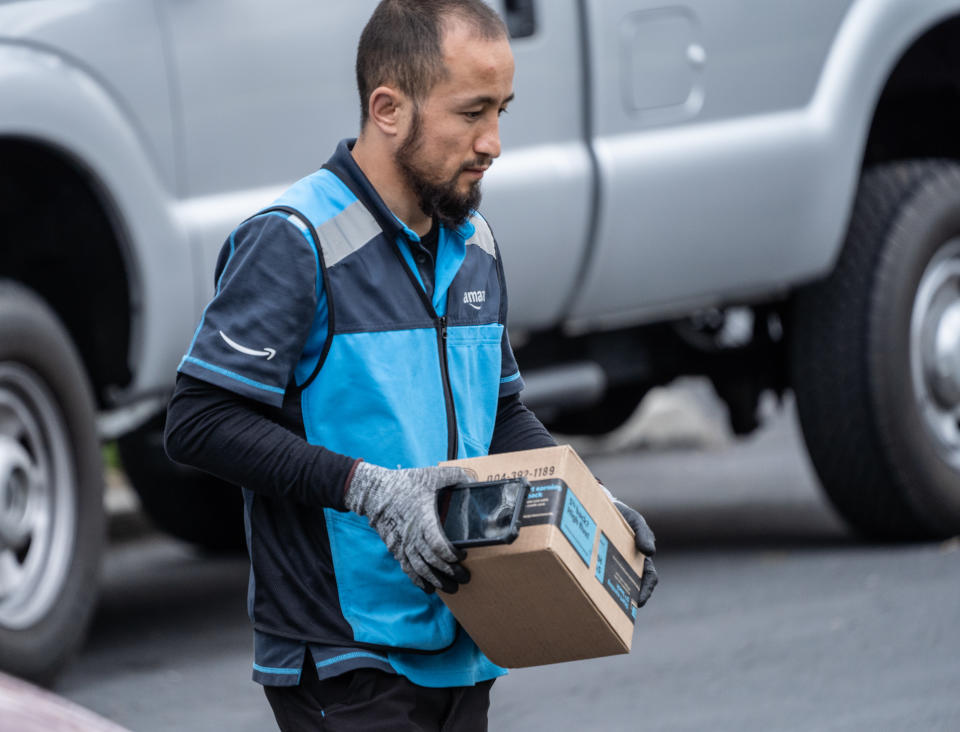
{"x":646,"y":544}
{"x":401,"y":506}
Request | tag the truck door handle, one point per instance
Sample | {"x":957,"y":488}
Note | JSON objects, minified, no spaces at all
{"x":521,"y":18}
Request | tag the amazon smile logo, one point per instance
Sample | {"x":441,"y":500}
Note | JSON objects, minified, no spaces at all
{"x":268,"y":352}
{"x":475,"y":298}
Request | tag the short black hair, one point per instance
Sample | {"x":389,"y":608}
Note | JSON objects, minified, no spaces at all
{"x":402,"y":44}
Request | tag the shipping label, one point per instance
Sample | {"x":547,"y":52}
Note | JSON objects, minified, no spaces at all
{"x":578,"y":526}
{"x":552,"y":502}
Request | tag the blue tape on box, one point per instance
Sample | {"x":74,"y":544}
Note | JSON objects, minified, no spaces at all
{"x":618,"y":577}
{"x":602,"y":556}
{"x":543,"y":502}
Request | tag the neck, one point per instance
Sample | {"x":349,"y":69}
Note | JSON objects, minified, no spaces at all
{"x":376,"y":160}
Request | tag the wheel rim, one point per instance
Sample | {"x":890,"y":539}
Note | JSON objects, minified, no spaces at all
{"x":37,"y":498}
{"x":935,"y":350}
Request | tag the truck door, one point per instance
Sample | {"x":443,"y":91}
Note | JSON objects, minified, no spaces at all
{"x":708,"y":155}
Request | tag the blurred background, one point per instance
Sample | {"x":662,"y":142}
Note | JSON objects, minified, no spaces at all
{"x":731,"y":235}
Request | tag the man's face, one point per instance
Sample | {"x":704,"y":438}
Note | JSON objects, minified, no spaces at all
{"x":455,"y":134}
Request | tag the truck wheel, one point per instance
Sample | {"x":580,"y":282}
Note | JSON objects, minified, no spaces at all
{"x":51,"y":490}
{"x":186,"y":503}
{"x":876,"y":357}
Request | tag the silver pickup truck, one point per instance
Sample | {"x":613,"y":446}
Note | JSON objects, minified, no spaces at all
{"x":764,"y":192}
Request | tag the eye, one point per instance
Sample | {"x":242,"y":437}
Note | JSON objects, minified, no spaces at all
{"x":473,"y":115}
{"x":502,"y":111}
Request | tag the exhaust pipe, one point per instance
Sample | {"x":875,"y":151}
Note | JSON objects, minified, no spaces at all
{"x":573,"y":385}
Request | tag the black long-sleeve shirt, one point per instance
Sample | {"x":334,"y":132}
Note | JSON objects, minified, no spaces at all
{"x":222,"y":433}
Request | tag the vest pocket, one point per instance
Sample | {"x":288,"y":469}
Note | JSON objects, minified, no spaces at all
{"x":377,"y":599}
{"x":473,"y":356}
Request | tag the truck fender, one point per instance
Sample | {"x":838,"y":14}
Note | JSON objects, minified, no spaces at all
{"x":874,"y":37}
{"x":47,"y":99}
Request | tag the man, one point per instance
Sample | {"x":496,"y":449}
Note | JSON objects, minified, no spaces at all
{"x":346,"y":352}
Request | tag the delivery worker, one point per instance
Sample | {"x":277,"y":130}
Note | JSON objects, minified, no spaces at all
{"x":356,"y":339}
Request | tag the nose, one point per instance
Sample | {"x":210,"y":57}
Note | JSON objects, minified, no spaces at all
{"x":488,"y":142}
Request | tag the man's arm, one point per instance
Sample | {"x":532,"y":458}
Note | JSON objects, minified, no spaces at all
{"x":517,"y":428}
{"x":221,"y":433}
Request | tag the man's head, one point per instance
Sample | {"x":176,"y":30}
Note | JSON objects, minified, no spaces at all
{"x":402,"y":44}
{"x":434,"y":76}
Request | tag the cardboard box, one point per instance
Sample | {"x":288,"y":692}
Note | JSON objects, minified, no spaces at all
{"x":566,"y":589}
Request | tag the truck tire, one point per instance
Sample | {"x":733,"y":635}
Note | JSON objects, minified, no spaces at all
{"x":186,"y":503}
{"x":875,"y":357}
{"x":51,"y":490}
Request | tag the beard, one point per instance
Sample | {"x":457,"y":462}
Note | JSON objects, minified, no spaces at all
{"x":438,"y":200}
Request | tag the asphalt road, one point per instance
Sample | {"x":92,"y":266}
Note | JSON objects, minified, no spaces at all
{"x":768,"y":617}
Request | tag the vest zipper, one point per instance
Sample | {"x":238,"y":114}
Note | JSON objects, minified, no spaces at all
{"x":441,"y":326}
{"x":447,"y":391}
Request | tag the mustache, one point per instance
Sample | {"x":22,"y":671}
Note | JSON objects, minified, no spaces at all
{"x":484,"y":162}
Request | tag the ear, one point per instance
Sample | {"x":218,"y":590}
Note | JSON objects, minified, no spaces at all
{"x":388,"y":110}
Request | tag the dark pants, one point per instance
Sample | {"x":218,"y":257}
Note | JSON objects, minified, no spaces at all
{"x":369,"y":699}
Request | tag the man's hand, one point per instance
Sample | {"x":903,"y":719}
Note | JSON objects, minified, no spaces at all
{"x":401,"y":506}
{"x":646,"y":544}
